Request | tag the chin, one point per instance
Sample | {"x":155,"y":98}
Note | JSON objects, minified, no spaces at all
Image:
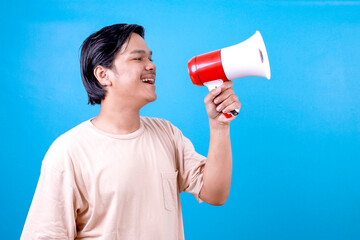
{"x":151,"y":99}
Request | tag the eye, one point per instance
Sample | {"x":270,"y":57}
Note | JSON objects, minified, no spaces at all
{"x":143,"y":59}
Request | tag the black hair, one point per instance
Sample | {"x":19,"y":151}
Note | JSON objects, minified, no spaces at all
{"x":100,"y":48}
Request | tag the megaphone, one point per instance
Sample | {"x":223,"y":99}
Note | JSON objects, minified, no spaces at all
{"x":248,"y":58}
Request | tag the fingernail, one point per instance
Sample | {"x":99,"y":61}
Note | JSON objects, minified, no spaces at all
{"x":218,"y":108}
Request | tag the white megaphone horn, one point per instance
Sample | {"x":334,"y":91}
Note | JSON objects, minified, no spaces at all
{"x":248,"y":58}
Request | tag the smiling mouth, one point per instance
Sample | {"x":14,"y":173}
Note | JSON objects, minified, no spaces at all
{"x":148,"y":80}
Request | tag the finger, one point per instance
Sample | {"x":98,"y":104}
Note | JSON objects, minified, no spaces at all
{"x":224,"y":95}
{"x":233,"y":106}
{"x":211,"y":95}
{"x":231,"y":99}
{"x":227,"y":84}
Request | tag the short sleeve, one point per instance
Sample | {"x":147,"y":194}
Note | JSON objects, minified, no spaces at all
{"x":52,"y":213}
{"x":191,"y":165}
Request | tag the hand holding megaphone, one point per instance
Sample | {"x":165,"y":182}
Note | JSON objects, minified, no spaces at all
{"x":248,"y":58}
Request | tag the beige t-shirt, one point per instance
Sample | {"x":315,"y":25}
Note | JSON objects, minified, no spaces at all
{"x":95,"y":185}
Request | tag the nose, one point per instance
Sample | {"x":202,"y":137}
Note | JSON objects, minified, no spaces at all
{"x":150,"y":66}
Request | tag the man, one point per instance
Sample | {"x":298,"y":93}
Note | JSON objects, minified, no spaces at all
{"x":119,"y":175}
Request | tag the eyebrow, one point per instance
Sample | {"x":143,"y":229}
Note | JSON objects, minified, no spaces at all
{"x":140,"y":51}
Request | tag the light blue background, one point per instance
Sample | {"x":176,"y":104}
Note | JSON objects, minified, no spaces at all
{"x":296,"y":142}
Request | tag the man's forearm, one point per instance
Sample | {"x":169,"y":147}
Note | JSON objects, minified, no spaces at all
{"x":218,"y":167}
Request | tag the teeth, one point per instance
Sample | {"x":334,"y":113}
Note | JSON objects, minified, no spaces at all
{"x":148,"y":80}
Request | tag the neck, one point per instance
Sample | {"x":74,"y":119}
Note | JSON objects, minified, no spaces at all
{"x":117,"y":120}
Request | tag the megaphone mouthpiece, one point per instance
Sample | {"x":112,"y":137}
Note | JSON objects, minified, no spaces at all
{"x":206,"y":67}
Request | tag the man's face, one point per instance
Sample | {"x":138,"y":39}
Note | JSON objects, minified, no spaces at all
{"x":133,"y":74}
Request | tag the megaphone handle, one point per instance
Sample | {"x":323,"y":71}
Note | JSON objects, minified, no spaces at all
{"x":213,"y":85}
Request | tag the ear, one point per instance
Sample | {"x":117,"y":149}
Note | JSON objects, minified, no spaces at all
{"x":102,"y":75}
